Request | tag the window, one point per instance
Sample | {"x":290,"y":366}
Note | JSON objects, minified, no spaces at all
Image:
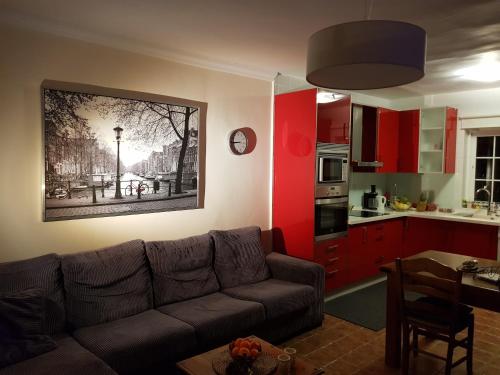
{"x":487,"y":170}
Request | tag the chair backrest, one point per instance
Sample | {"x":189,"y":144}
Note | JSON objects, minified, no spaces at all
{"x":433,"y":280}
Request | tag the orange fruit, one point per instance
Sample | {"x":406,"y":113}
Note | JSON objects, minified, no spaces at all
{"x":254,"y":353}
{"x":244,"y":352}
{"x":235,"y":352}
{"x":245,"y":344}
{"x":237,"y":342}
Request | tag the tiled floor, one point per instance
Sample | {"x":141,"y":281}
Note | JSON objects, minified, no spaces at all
{"x":342,"y":348}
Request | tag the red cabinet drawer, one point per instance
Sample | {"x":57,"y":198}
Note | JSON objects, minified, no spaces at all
{"x":330,"y":248}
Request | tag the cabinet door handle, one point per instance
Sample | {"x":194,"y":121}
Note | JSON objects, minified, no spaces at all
{"x":332,"y":260}
{"x":331,"y":248}
{"x":331,"y":273}
{"x":379,"y":227}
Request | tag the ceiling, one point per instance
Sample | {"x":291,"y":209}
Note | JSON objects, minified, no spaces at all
{"x":260,"y":38}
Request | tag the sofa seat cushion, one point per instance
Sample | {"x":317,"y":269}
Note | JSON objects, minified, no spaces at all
{"x":239,"y":257}
{"x":182,"y":269}
{"x":279,"y":297}
{"x":106,"y":284}
{"x":42,"y":273}
{"x":69,"y":358}
{"x":217,"y":317}
{"x":138,"y":342}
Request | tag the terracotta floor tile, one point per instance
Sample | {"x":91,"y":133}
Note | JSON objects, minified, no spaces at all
{"x":343,"y":348}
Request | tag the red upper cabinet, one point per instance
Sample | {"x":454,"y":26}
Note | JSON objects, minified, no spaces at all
{"x":409,"y":123}
{"x":334,"y":121}
{"x":450,"y":140}
{"x":387,"y":140}
{"x":294,"y":173}
{"x":374,"y":139}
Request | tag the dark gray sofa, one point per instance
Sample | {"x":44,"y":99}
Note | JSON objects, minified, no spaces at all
{"x":139,"y":307}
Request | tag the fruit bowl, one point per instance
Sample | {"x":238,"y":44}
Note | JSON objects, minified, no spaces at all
{"x":245,"y":350}
{"x":399,"y":206}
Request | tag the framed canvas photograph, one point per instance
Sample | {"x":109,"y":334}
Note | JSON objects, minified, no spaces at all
{"x":114,"y":152}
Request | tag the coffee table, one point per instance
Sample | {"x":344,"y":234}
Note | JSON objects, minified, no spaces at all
{"x":201,"y":364}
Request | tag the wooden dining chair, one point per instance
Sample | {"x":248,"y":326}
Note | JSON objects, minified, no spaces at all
{"x":429,"y":302}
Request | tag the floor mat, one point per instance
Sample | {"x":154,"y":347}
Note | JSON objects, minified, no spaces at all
{"x":364,"y":307}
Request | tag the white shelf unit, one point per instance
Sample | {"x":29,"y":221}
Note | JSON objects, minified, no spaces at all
{"x":432,"y":140}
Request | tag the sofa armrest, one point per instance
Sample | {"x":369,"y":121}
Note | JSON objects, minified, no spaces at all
{"x":297,"y":270}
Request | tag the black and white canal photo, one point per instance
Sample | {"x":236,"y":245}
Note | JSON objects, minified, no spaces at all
{"x":115,"y":152}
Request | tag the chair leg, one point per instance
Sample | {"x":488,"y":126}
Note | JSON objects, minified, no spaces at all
{"x":470,"y":345}
{"x":449,"y":356}
{"x":415,"y":341}
{"x":405,"y":360}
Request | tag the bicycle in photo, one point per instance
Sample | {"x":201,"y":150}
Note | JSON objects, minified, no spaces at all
{"x":132,"y":188}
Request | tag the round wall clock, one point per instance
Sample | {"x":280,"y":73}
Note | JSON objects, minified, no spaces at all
{"x":242,"y":141}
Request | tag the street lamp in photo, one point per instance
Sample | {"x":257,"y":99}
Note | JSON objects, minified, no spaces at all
{"x":118,"y":134}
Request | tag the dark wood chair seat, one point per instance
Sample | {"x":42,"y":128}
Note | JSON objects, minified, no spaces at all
{"x":437,"y":313}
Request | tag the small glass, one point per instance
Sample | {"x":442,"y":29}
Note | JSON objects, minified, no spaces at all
{"x":284,"y":364}
{"x":292,"y":352}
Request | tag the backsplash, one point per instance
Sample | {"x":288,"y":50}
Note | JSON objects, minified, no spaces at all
{"x":408,"y":185}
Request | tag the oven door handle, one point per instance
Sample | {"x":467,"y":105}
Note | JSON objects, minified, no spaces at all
{"x":340,"y":201}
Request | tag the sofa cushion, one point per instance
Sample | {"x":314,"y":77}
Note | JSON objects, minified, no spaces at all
{"x":42,"y":273}
{"x":279,"y":297}
{"x":21,"y":327}
{"x":106,"y":284}
{"x":216,"y":317}
{"x":138,"y":342}
{"x":69,"y":358}
{"x":182,"y":269}
{"x":239,"y":257}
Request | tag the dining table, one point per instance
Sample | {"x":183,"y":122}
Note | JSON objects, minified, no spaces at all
{"x":475,"y":292}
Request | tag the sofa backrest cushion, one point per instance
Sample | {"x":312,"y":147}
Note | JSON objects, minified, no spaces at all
{"x":42,"y":273}
{"x":239,"y":257}
{"x":106,"y":284}
{"x":182,"y":269}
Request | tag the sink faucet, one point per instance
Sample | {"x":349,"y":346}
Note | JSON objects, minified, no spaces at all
{"x":488,"y":212}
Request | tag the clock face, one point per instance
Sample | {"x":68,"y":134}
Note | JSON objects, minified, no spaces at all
{"x":238,"y":142}
{"x":242,"y":141}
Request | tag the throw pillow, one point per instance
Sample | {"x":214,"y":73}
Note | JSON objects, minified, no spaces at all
{"x":239,"y":257}
{"x":21,"y":327}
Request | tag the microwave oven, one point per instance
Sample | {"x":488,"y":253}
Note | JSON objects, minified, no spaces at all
{"x":332,"y":164}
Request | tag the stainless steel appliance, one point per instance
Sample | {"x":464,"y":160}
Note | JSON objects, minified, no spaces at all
{"x":332,"y":190}
{"x":330,"y":218}
{"x":332,"y":163}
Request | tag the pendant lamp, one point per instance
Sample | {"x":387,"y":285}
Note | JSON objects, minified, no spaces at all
{"x":369,"y":54}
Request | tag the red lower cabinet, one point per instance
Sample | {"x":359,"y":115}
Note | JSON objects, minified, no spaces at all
{"x":475,"y":240}
{"x":332,"y":254}
{"x":425,"y":234}
{"x":372,"y":245}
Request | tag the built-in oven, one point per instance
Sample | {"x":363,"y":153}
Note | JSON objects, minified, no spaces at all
{"x":330,"y":217}
{"x":332,"y":163}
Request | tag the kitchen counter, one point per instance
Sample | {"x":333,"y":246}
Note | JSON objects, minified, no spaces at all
{"x":391,"y":214}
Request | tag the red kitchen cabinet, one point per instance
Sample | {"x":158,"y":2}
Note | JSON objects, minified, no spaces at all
{"x":332,"y":254}
{"x":409,"y":123}
{"x":334,"y":121}
{"x":374,"y":139}
{"x":425,"y":234}
{"x":294,"y":173}
{"x":372,"y":245}
{"x":450,"y":140}
{"x":387,"y":140}
{"x":475,"y":240}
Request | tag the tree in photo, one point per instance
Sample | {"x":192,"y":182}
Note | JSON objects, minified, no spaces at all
{"x":156,"y":123}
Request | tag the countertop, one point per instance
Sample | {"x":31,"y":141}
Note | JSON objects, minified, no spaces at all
{"x":391,"y":214}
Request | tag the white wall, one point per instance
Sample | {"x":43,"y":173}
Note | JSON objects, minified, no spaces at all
{"x":237,"y":187}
